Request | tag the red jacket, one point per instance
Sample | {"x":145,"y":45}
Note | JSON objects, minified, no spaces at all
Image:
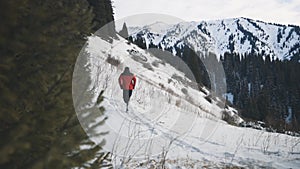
{"x":127,"y":81}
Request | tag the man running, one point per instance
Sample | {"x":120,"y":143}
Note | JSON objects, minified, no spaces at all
{"x":127,"y":82}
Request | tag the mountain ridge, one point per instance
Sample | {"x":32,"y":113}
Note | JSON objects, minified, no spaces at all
{"x":234,"y":35}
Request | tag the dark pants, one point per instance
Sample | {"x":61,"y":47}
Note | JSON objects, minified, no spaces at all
{"x":126,"y":95}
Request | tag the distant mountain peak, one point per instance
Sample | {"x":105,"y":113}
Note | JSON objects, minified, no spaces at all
{"x":235,"y":35}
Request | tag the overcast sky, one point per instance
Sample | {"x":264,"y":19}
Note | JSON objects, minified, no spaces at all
{"x":275,"y":11}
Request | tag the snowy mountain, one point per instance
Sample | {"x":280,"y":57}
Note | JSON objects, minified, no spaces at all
{"x":170,"y":122}
{"x":238,"y":35}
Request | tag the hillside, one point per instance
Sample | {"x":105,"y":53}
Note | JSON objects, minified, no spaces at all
{"x":170,"y":122}
{"x":260,"y":61}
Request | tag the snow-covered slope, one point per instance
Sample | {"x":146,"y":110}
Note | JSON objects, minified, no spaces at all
{"x":167,"y":118}
{"x":239,"y":35}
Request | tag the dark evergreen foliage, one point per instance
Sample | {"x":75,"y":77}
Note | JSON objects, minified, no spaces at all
{"x":124,"y":31}
{"x":264,"y":90}
{"x":139,"y":41}
{"x":186,"y":54}
{"x":279,"y":35}
{"x":103,"y":13}
{"x":39,"y":43}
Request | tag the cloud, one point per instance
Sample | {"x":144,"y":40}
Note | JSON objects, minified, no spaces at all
{"x":276,"y":11}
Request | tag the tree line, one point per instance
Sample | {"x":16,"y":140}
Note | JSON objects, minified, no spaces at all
{"x":263,"y":88}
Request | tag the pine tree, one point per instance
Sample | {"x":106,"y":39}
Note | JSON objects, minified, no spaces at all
{"x":39,"y":45}
{"x":103,"y":12}
{"x":124,"y":31}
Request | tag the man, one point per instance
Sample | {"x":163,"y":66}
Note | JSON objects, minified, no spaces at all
{"x":127,"y":82}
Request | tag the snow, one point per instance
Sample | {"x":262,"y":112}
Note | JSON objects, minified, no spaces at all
{"x":158,"y":27}
{"x":249,"y":89}
{"x":215,"y":36}
{"x":184,"y":126}
{"x":229,"y":97}
{"x":288,"y":119}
